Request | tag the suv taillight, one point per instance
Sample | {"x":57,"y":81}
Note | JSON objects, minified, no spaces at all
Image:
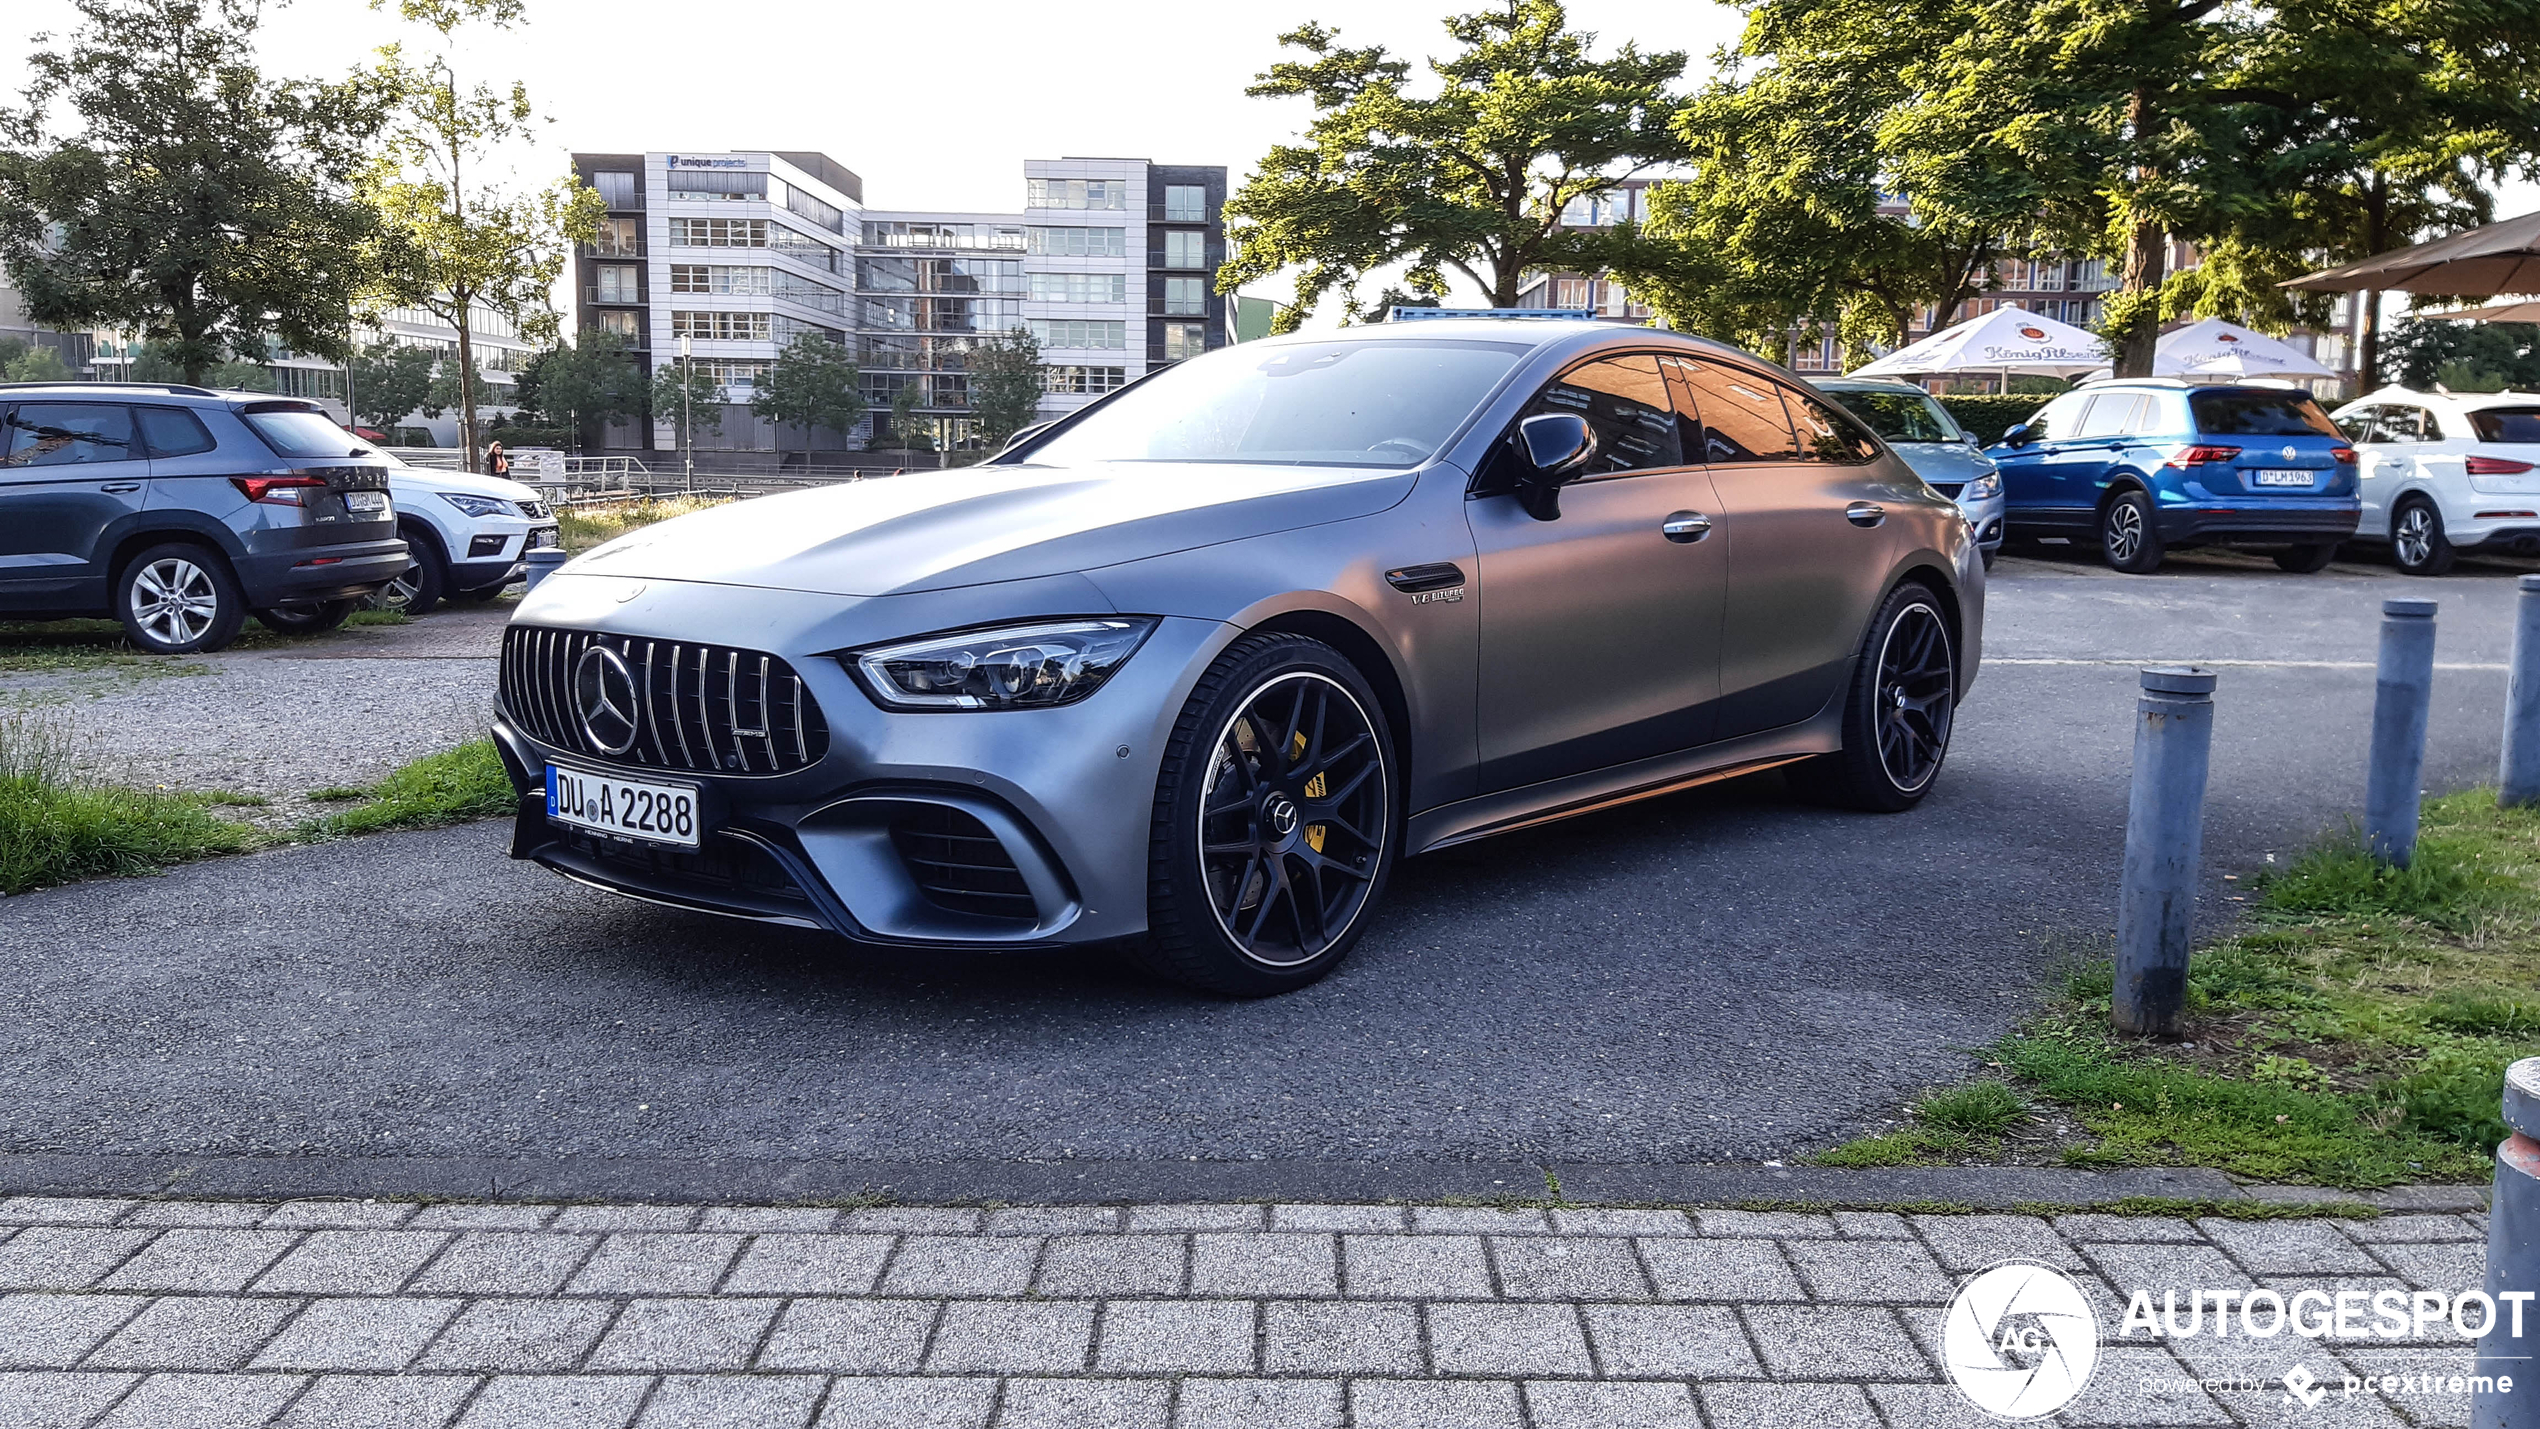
{"x":2495,"y":466}
{"x":2194,"y":456}
{"x":278,"y":490}
{"x":2343,"y":456}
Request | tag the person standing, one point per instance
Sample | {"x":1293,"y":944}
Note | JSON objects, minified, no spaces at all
{"x":497,"y":461}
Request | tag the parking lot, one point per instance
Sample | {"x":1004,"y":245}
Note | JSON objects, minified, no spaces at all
{"x":1723,"y":976}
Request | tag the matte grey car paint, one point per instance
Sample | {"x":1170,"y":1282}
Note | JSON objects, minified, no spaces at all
{"x":1582,"y":660}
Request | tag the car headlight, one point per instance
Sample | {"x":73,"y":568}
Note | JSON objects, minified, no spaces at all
{"x":1983,"y":488}
{"x":478,"y":505}
{"x":1013,"y":667}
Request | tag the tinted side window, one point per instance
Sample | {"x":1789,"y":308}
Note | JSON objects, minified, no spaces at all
{"x":1824,"y":433}
{"x":1624,"y":400}
{"x":2108,"y":414}
{"x":2263,"y":414}
{"x":68,"y":434}
{"x":2520,"y":425}
{"x":1742,"y":417}
{"x":2161,"y":414}
{"x":172,"y":431}
{"x":2360,"y":425}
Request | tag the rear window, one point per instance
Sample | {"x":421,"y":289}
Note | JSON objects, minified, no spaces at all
{"x":298,"y":432}
{"x":2507,"y":424}
{"x":2260,"y":414}
{"x":1900,"y":416}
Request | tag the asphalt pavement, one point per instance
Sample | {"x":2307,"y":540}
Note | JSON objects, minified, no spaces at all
{"x":1723,"y":976}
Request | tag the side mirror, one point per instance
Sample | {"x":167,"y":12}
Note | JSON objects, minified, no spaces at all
{"x":1557,"y":446}
{"x":2017,"y":436}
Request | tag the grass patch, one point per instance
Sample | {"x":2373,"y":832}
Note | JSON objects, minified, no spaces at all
{"x":2355,"y":1033}
{"x":338,"y":794}
{"x":1955,"y":1124}
{"x":583,"y":527}
{"x":446,"y":788}
{"x":232,"y":799}
{"x":56,"y":827}
{"x":378,"y":617}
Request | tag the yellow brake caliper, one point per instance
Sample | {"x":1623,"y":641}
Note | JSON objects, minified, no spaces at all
{"x":1314,"y":789}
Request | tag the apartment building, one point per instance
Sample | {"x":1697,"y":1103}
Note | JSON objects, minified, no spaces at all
{"x":1110,"y":264}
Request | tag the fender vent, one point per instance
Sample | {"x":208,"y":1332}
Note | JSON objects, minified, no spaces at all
{"x":959,"y":866}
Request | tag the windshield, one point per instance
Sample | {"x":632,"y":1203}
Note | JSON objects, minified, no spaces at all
{"x":1387,"y":403}
{"x":2260,"y":414}
{"x":301,"y":433}
{"x":2519,"y":425}
{"x":1901,"y":416}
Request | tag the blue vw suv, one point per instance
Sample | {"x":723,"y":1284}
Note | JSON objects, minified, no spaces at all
{"x":2148,"y":464}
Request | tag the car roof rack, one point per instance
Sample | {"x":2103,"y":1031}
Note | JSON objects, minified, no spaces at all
{"x":184,"y":387}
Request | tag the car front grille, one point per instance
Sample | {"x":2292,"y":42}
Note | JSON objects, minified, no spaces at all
{"x":958,"y":865}
{"x":1949,"y":489}
{"x":710,"y":708}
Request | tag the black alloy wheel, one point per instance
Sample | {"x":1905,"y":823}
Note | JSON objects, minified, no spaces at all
{"x":1275,"y":820}
{"x":1898,"y":715}
{"x":2127,"y":537}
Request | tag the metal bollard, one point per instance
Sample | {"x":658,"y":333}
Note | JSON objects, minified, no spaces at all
{"x":2164,"y":843}
{"x":542,"y":563}
{"x":2518,"y":773}
{"x":2403,"y":690}
{"x":2510,"y":1398}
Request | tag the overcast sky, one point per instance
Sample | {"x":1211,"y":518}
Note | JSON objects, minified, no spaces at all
{"x":935,"y":105}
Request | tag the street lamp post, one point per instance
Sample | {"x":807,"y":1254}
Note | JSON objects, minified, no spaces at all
{"x":687,"y":436}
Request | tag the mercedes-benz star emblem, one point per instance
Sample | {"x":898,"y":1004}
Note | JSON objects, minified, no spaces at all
{"x":1282,"y":816}
{"x":604,"y":695}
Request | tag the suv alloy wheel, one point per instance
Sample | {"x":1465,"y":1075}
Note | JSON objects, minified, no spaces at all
{"x":177,"y":599}
{"x":2127,"y":537}
{"x":2417,"y":542}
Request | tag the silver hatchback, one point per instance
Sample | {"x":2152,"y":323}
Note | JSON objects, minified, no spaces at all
{"x":1195,"y":665}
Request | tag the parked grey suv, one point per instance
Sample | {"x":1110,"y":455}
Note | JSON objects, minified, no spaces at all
{"x":178,"y":510}
{"x":1195,"y":665}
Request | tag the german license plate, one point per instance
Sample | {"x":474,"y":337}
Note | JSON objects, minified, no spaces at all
{"x":2279,"y":476}
{"x":625,"y":808}
{"x":541,"y":538}
{"x":363,"y":502}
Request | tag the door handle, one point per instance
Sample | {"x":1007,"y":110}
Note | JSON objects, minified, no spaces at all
{"x":118,"y":488}
{"x":1865,"y":513}
{"x":1686,"y":527}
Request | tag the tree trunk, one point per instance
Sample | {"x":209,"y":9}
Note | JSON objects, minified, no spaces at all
{"x":2368,"y":304}
{"x":467,"y":390}
{"x":2147,"y":254}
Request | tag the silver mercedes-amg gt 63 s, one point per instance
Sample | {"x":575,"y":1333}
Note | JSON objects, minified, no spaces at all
{"x":1193,"y":666}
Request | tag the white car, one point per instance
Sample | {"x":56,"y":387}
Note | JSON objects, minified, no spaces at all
{"x":2446,"y":472}
{"x":470,"y":535}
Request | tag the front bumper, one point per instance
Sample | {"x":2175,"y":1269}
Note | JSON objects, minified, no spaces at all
{"x":985,"y":831}
{"x":2257,"y":523}
{"x":496,"y":553}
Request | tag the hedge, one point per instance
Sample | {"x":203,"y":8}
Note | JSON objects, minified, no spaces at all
{"x":1986,"y":416}
{"x":525,"y":436}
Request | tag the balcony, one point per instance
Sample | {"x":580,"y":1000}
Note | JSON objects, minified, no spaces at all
{"x":593,"y":294}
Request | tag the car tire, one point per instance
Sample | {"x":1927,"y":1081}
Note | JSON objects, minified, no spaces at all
{"x":179,"y":599}
{"x":2128,"y":535}
{"x":1247,"y":895}
{"x":424,"y":582}
{"x":1988,"y":557}
{"x":478,"y":596}
{"x":2304,"y":560}
{"x":2417,"y":542}
{"x":1897,"y":713}
{"x":307,"y":617}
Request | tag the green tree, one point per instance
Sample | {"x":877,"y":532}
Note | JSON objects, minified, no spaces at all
{"x":904,"y":428}
{"x":593,"y":382}
{"x":1005,"y":385}
{"x":2466,"y":357}
{"x":703,"y":409}
{"x":389,"y":379}
{"x":812,"y":383}
{"x":198,"y":204}
{"x":1473,"y":178}
{"x":458,"y":246}
{"x":160,"y":362}
{"x":34,"y":364}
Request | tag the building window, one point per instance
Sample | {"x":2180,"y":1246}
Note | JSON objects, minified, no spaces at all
{"x":718,"y":184}
{"x":618,"y":285}
{"x":718,"y":278}
{"x":1076,"y":193}
{"x":718,"y":232}
{"x":1076,"y":332}
{"x":1083,"y":381}
{"x":1080,"y":287}
{"x":1185,"y":203}
{"x":881,"y":234}
{"x":741,"y":372}
{"x":1570,"y":293}
{"x":620,"y":322}
{"x":722,"y":327}
{"x":619,"y":238}
{"x":1184,"y":248}
{"x":1184,"y":340}
{"x":1076,"y":242}
{"x":1186,"y":296}
{"x":784,"y":329}
{"x":618,"y":190}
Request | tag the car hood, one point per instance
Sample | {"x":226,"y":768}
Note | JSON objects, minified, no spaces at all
{"x":939,"y":530}
{"x":464,"y":482}
{"x":1952,"y":462}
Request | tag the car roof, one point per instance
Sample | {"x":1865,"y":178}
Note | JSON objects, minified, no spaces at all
{"x":1565,"y":336}
{"x":2465,"y":401}
{"x":179,"y":392}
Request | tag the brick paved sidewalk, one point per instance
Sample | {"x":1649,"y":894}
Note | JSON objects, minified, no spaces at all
{"x":350,"y":1314}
